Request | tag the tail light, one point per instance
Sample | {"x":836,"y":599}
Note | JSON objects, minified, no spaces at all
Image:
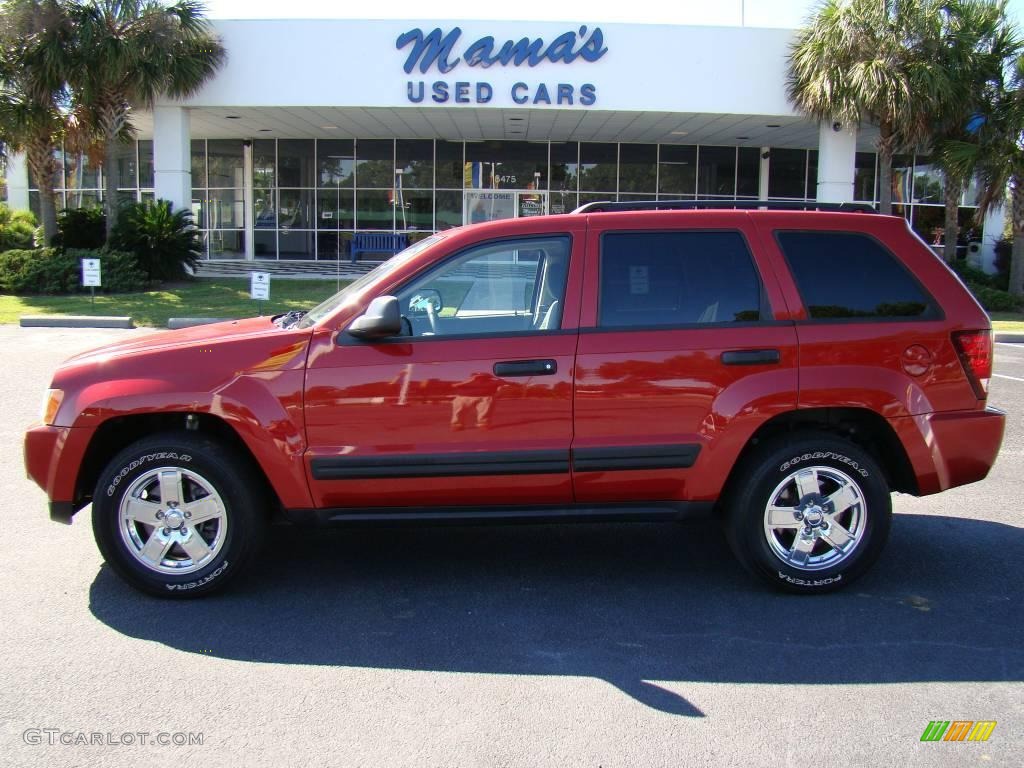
{"x":975,"y":351}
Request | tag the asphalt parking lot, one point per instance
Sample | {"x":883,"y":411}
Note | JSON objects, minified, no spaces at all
{"x":592,"y":645}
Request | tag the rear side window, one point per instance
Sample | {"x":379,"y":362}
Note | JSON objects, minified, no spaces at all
{"x":677,"y":278}
{"x":851,"y":275}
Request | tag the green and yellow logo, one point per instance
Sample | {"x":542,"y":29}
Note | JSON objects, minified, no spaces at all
{"x":958,"y":730}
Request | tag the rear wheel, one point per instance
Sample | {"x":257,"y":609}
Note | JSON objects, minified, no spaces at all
{"x":812,"y":514}
{"x":176,"y":515}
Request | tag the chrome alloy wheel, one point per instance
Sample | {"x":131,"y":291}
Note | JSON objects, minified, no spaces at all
{"x":172,"y":520}
{"x":815,"y":518}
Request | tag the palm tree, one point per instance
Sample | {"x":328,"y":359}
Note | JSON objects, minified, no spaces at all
{"x":860,"y":60}
{"x":996,"y":154}
{"x":977,"y":46}
{"x":130,"y":52}
{"x":34,"y":39}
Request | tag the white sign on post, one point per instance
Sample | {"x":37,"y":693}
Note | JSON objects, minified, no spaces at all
{"x":91,"y":273}
{"x":260,"y":286}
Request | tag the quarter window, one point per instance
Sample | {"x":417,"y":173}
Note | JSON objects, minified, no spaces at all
{"x":510,"y":286}
{"x":850,"y":275}
{"x":677,"y":278}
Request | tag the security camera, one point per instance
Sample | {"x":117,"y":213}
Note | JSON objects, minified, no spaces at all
{"x":765,"y":155}
{"x":837,"y":126}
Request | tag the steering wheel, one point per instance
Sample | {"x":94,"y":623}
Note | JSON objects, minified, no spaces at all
{"x":432,"y":318}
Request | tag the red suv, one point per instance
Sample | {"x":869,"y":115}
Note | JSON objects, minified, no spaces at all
{"x":785,"y":370}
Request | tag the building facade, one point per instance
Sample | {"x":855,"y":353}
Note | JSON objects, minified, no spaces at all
{"x":319,"y":129}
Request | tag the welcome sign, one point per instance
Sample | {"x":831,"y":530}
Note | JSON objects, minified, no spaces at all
{"x":444,"y":53}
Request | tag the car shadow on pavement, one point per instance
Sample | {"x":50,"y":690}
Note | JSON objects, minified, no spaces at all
{"x":635,"y":605}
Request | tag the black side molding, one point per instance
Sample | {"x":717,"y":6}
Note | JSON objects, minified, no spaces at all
{"x":62,"y":511}
{"x":441,"y":465}
{"x":635,"y":457}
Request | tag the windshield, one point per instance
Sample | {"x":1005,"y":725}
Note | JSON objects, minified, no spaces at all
{"x":322,"y":310}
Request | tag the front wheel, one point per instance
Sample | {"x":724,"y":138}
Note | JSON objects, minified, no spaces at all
{"x":812,"y":514}
{"x":176,"y":515}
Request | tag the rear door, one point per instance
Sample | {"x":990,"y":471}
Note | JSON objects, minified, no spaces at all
{"x":686,"y":347}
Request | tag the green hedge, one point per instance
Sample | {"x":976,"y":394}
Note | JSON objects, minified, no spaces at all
{"x":993,"y":299}
{"x":52,"y":271}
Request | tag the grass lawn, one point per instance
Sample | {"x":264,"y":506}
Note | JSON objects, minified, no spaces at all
{"x":201,"y":298}
{"x":1007,"y":321}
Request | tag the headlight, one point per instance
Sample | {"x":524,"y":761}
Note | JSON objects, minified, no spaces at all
{"x":51,"y":404}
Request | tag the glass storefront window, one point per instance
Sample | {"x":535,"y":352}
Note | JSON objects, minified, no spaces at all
{"x":335,"y":209}
{"x":295,"y":209}
{"x":561,"y":202}
{"x":565,"y":157}
{"x":506,"y":165}
{"x":80,"y":173}
{"x":638,"y":168}
{"x":264,"y":163}
{"x":716,"y":171}
{"x":226,"y":209}
{"x":414,"y":210}
{"x":125,"y":169}
{"x":336,"y":163}
{"x":748,"y":172}
{"x":787,"y":173}
{"x":902,"y":181}
{"x":864,"y":177}
{"x":677,"y":172}
{"x":599,"y":165}
{"x":929,"y":181}
{"x":375,"y":163}
{"x":449,"y":210}
{"x":415,"y":158}
{"x":375,"y":209}
{"x":198,"y":163}
{"x":224,"y":161}
{"x":295,"y":163}
{"x":146,"y":176}
{"x":199,"y":208}
{"x":450,"y":159}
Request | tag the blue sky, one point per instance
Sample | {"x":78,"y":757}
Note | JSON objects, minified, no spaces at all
{"x":754,"y":13}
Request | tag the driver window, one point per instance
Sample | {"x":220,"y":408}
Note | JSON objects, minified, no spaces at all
{"x":511,"y":286}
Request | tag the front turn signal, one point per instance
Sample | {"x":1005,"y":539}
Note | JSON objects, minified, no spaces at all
{"x":51,"y":404}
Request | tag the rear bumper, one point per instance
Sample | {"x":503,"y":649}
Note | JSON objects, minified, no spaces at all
{"x":951,"y":449}
{"x":53,"y":456}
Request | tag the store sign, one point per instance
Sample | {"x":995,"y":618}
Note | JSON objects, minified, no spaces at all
{"x":444,"y":53}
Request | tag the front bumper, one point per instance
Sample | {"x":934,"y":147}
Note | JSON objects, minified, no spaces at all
{"x":53,"y":457}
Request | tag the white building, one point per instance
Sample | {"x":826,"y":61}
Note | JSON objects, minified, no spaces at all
{"x":319,"y":129}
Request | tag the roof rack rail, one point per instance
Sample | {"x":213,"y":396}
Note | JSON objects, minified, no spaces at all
{"x":748,"y":205}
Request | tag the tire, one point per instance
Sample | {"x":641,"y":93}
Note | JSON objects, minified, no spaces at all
{"x":809,"y":514}
{"x":210,"y":534}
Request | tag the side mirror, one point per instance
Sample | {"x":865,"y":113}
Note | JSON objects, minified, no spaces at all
{"x":381,"y":319}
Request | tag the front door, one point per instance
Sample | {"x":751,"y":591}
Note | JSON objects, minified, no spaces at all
{"x":472,"y":405}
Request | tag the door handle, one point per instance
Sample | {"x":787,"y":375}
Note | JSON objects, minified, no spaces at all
{"x":751,"y":357}
{"x":511,"y":368}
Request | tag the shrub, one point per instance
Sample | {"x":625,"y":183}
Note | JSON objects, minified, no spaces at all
{"x":975,"y":276}
{"x":993,"y":299}
{"x":164,"y":241}
{"x":81,"y":228}
{"x":119,"y":270}
{"x":52,"y":271}
{"x":17,"y":229}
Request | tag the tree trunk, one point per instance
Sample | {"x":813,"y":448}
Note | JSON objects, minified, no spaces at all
{"x":1017,"y":257}
{"x":110,"y":201}
{"x":885,"y":152}
{"x":953,"y":189}
{"x":43,"y":166}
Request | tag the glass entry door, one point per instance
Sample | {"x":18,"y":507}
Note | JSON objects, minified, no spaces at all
{"x":495,"y":204}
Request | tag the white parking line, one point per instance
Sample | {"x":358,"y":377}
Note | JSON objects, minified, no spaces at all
{"x":1004,"y":376}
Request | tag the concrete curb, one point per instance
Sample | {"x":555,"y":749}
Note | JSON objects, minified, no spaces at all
{"x":176,"y":323}
{"x":1009,"y":337}
{"x":75,"y":321}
